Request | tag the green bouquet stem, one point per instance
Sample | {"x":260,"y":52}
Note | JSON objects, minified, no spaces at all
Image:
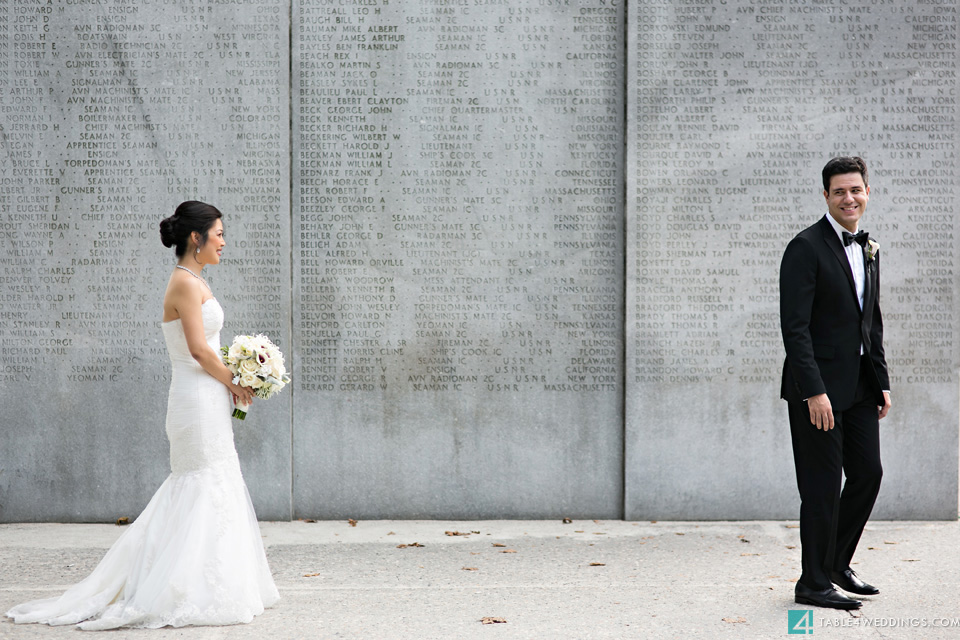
{"x":240,"y":411}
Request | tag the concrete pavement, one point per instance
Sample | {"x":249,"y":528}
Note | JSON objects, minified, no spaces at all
{"x":547,"y":579}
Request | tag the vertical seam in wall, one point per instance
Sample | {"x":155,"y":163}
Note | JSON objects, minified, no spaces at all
{"x":290,"y":257}
{"x":623,"y":270}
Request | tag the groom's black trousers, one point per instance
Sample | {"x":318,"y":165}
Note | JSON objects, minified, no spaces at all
{"x":832,"y":521}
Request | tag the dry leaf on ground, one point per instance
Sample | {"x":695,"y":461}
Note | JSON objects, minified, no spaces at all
{"x":737,"y":620}
{"x":412,"y":544}
{"x":492,"y":620}
{"x":567,"y":521}
{"x":470,"y":568}
{"x":352,"y":522}
{"x":497,"y":544}
{"x":456,"y":533}
{"x":509,"y":551}
{"x":310,"y":575}
{"x":122,"y":521}
{"x":597,"y":564}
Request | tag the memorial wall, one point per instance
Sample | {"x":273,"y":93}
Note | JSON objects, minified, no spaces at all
{"x":111,"y":114}
{"x":522,"y":256}
{"x":458,"y":252}
{"x":733,"y":109}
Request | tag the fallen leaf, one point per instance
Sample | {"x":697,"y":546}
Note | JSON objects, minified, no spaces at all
{"x":497,"y":544}
{"x":412,"y":544}
{"x":601,"y":533}
{"x":581,"y":531}
{"x":455,"y":533}
{"x":679,"y":533}
{"x":567,"y":521}
{"x":597,"y":564}
{"x":476,"y":532}
{"x":491,"y":620}
{"x":888,"y":542}
{"x":470,"y":568}
{"x":391,"y":533}
{"x":307,"y":520}
{"x":790,"y":546}
{"x":509,"y":551}
{"x":352,"y":522}
{"x":122,"y":521}
{"x":310,"y":575}
{"x":749,"y":554}
{"x":737,"y":620}
{"x":911,"y":559}
{"x":742,"y":539}
{"x":872,"y":548}
{"x":792,"y":526}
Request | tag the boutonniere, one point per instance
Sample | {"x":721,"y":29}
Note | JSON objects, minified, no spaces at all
{"x":872,"y":249}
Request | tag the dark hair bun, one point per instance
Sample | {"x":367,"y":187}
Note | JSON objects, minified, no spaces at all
{"x":168,"y":231}
{"x":190,"y":216}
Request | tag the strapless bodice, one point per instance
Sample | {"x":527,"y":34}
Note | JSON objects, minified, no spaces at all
{"x":177,"y":342}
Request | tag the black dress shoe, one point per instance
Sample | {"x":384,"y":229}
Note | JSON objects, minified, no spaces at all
{"x":850,"y":581}
{"x":828,"y":598}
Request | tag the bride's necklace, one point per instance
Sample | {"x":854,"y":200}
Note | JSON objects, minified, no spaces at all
{"x":180,"y":266}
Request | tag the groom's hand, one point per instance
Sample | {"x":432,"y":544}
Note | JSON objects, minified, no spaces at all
{"x":821,"y":412}
{"x":885,"y":409}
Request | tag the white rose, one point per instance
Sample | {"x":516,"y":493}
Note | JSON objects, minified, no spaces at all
{"x":249,"y":366}
{"x":251,"y":381}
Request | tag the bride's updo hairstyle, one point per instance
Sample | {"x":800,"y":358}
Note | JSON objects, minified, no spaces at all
{"x":190,"y":216}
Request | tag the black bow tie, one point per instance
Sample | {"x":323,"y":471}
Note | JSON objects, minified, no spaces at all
{"x":859,"y":236}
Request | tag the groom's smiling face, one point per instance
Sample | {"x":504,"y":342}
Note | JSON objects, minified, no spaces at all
{"x":847,"y":199}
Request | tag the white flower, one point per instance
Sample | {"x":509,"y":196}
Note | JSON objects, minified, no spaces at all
{"x":249,"y":366}
{"x":250,"y":380}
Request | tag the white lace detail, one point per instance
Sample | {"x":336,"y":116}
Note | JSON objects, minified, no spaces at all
{"x":201,"y":516}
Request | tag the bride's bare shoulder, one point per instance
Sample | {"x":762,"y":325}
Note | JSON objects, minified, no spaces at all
{"x":183,"y":293}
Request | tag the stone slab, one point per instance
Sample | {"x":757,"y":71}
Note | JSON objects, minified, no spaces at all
{"x":734,"y":108}
{"x":457,"y":261}
{"x":111,"y":115}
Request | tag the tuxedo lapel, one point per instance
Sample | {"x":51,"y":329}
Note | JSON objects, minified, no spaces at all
{"x":836,"y":248}
{"x":870,"y":281}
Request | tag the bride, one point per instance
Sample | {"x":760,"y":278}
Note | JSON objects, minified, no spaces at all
{"x":194,"y":555}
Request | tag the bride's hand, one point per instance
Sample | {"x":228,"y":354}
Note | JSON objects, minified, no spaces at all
{"x":241,"y":394}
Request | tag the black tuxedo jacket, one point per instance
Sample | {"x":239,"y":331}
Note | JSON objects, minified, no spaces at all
{"x":822,"y":324}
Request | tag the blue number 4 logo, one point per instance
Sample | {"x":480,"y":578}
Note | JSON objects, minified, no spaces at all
{"x":800,"y":621}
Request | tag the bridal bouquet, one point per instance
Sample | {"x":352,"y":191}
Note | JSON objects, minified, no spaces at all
{"x":256,"y":363}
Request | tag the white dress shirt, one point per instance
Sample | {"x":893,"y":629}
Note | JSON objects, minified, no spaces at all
{"x":854,"y":253}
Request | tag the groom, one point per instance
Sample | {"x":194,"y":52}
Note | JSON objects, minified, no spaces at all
{"x":835,"y":383}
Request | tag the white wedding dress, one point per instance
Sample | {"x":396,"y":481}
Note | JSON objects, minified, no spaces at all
{"x":194,"y":556}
